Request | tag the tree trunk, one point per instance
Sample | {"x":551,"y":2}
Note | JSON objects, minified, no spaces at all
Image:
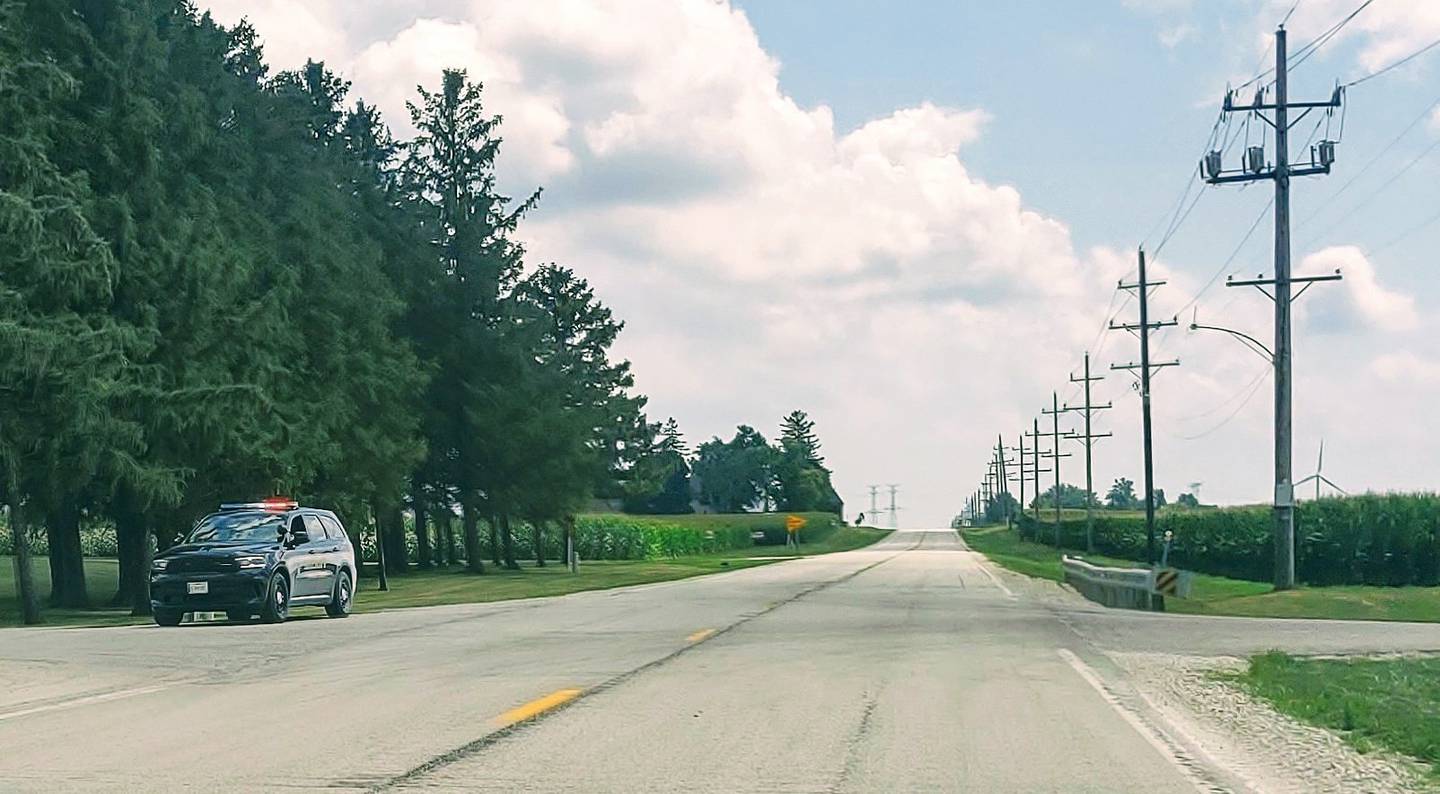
{"x":57,"y":557}
{"x":129,"y":534}
{"x":473,"y":563}
{"x":140,"y":581}
{"x":423,"y":557}
{"x":537,"y":529}
{"x":380,"y":566}
{"x":507,"y":538}
{"x":568,"y":522}
{"x":452,"y":555}
{"x":397,"y":556}
{"x":437,"y":544}
{"x":24,"y":578}
{"x":495,"y":539}
{"x":444,"y":539}
{"x":67,"y":560}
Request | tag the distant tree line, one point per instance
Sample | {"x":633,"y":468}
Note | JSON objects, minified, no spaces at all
{"x":1121,"y":496}
{"x":745,"y":473}
{"x":219,"y":282}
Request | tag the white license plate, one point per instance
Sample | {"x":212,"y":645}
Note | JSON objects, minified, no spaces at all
{"x":197,"y":588}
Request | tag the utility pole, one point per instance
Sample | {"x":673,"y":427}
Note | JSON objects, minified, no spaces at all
{"x":1254,"y":169}
{"x":1020,"y":453}
{"x":1035,"y":470}
{"x":1003,"y":478}
{"x":1088,"y":409}
{"x":1142,"y":329}
{"x":1055,"y":454}
{"x":894,"y":524}
{"x":874,"y":510}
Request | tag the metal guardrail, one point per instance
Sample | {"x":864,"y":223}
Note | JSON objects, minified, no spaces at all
{"x":1126,"y":588}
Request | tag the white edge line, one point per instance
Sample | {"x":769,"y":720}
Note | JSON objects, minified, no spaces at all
{"x":83,"y":701}
{"x":986,"y":568}
{"x":1141,"y":728}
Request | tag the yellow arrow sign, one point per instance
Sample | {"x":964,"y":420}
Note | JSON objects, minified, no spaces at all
{"x":794,"y":523}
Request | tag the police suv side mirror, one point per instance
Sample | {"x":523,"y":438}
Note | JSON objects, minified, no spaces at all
{"x":297,"y":538}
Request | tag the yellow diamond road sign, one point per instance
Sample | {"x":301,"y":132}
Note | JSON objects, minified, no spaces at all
{"x":794,"y":523}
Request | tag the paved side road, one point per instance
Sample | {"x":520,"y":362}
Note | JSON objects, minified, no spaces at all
{"x":911,"y":665}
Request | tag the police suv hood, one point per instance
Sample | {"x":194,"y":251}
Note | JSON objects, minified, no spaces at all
{"x":221,"y":548}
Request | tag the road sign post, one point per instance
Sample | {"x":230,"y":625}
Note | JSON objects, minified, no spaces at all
{"x":793,"y":525}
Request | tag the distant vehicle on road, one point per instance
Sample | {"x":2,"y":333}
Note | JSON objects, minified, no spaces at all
{"x":256,"y":558}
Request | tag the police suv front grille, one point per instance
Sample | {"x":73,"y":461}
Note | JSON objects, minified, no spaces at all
{"x":201,"y":565}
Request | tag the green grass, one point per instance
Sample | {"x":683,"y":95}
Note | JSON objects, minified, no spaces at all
{"x":431,"y":588}
{"x":1392,"y":704}
{"x":1208,"y":594}
{"x":1217,"y":595}
{"x":1338,"y":602}
{"x":102,"y":574}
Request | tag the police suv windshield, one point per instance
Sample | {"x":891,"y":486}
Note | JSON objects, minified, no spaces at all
{"x":238,"y":527}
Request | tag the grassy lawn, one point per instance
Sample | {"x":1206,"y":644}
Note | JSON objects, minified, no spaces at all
{"x":102,"y":574}
{"x":431,"y":588}
{"x":1217,"y":595}
{"x":1036,"y":559}
{"x":1392,"y":704}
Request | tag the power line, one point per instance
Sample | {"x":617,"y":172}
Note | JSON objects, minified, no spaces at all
{"x":1413,"y":229}
{"x":1315,"y":44}
{"x":1330,"y":229}
{"x":1254,"y":389}
{"x":1231,"y":258}
{"x":1408,"y":58}
{"x":1369,"y":163}
{"x":1286,"y":18}
{"x":1261,"y":373}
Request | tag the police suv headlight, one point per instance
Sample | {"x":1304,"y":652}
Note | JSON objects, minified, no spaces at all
{"x":159,"y":566}
{"x":251,"y":562}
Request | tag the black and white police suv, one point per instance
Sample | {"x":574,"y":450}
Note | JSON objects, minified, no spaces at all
{"x":256,"y":558}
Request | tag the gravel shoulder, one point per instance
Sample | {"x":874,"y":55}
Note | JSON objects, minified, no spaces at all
{"x":1267,"y":750}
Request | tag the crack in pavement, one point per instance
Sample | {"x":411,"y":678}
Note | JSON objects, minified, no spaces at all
{"x":853,"y":744}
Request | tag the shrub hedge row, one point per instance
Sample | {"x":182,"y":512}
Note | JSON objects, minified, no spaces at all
{"x":623,"y":537}
{"x":1374,"y":539}
{"x":96,"y":540}
{"x":597,"y":536}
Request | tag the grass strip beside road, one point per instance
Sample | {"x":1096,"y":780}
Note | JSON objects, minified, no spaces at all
{"x":1391,"y":704}
{"x":1217,"y":595}
{"x":435,"y":587}
{"x":419,"y":588}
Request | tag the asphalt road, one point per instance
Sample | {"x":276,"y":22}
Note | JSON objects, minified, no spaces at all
{"x":909,"y":666}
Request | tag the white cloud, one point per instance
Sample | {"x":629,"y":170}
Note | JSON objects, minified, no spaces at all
{"x":1365,"y":300}
{"x":292,"y":32}
{"x":1385,"y":31}
{"x":764,"y":260}
{"x":1404,"y":366}
{"x":1434,"y":122}
{"x":1173,"y":37}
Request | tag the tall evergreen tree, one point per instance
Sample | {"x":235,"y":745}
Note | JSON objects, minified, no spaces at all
{"x":797,"y":436}
{"x":449,"y":174}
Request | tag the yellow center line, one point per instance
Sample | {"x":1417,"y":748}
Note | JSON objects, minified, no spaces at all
{"x":537,"y":707}
{"x":703,"y":634}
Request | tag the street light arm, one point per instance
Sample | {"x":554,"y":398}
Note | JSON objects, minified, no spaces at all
{"x":1248,"y":340}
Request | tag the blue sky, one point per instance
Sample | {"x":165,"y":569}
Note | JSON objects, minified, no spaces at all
{"x":1096,"y":120}
{"x":908,"y":218}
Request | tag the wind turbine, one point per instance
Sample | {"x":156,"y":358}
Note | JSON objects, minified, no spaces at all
{"x":1318,"y":476}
